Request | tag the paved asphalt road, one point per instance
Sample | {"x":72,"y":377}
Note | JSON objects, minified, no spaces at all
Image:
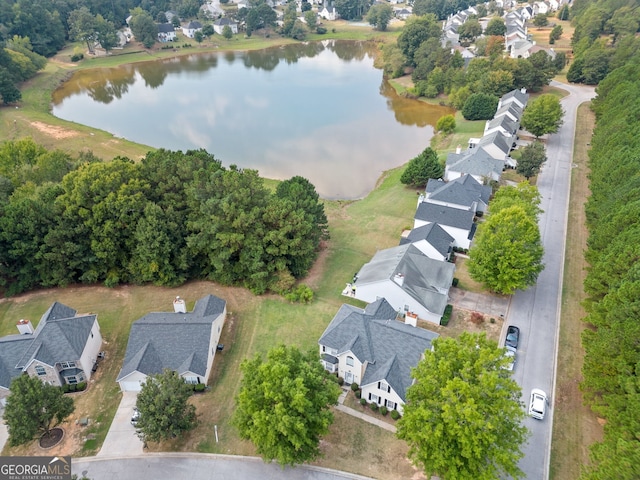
{"x":537,"y":310}
{"x":194,"y":466}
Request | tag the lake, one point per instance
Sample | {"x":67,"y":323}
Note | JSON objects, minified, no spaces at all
{"x":320,"y":110}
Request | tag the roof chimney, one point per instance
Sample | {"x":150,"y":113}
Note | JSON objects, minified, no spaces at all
{"x":179,"y":306}
{"x":398,"y":278}
{"x":25,"y":327}
{"x":458,"y":149}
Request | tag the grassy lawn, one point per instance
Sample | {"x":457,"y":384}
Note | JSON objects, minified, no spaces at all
{"x":575,"y":427}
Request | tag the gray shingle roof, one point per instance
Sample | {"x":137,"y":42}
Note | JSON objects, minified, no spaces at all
{"x":221,"y":22}
{"x":464,"y":191}
{"x":449,"y":216}
{"x":391,"y":348}
{"x":512,"y":108}
{"x":504,"y":122}
{"x":177,"y":341}
{"x":194,"y":25}
{"x":12,"y":348}
{"x":433,"y":234}
{"x":166,"y":28}
{"x":58,"y":338}
{"x":475,"y":162}
{"x":496,"y":138}
{"x":424,"y":279}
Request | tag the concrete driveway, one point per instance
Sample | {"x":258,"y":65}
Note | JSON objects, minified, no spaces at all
{"x":493,"y":305}
{"x":121,"y":440}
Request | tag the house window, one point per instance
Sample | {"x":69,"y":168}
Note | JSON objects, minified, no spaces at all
{"x":391,"y":405}
{"x":72,"y":380}
{"x":374,"y":398}
{"x":384,"y":386}
{"x":350,"y":361}
{"x":406,"y":308}
{"x":91,"y":334}
{"x":40,"y":370}
{"x":191,"y":380}
{"x":65,"y":365}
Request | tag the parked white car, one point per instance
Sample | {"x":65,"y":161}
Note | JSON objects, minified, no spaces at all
{"x":511,"y":355}
{"x":538,"y":404}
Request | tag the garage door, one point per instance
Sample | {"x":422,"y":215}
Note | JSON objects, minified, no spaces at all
{"x":133,"y":386}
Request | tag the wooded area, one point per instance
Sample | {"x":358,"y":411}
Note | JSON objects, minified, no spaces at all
{"x":172,"y":217}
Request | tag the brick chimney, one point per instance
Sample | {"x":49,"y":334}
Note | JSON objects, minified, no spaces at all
{"x":25,"y":327}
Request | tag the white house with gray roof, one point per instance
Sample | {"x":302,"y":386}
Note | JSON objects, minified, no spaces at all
{"x":181,"y":341}
{"x":475,"y":162}
{"x":371,"y":348}
{"x":456,"y":222}
{"x":464,"y":192}
{"x":61,"y":350}
{"x":410,"y":281}
{"x":431,"y":240}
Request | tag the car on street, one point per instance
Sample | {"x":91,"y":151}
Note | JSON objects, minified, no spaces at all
{"x":538,"y":404}
{"x":513,"y":336}
{"x":511,"y":355}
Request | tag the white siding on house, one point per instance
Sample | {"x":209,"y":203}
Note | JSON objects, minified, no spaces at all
{"x":132,"y":382}
{"x":356,"y":370}
{"x":460,"y":236}
{"x":91,"y":350}
{"x":382,"y":396}
{"x":426,"y":248}
{"x":216,"y":331}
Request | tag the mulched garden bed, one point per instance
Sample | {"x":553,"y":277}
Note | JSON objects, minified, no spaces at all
{"x":52,"y":438}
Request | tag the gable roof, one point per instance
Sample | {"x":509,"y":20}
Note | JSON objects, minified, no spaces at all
{"x":464,"y":190}
{"x":498,"y":140}
{"x":424,"y":279}
{"x":193,"y":25}
{"x":177,"y":341}
{"x":221,"y":22}
{"x":510,"y":108}
{"x":475,"y":162}
{"x":433,"y":234}
{"x":59,"y":337}
{"x":503,"y":122}
{"x":12,"y":348}
{"x":166,"y":28}
{"x":443,"y":215}
{"x":373,"y":335}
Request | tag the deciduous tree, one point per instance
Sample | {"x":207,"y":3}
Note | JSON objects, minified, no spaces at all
{"x":543,"y":115}
{"x":284,"y":403}
{"x":507,"y":254}
{"x":143,"y":27}
{"x":480,"y":106}
{"x":379,"y":16}
{"x":165,"y":411}
{"x":531,"y":159}
{"x":34,"y":408}
{"x":463,"y":414}
{"x":421,"y":168}
{"x":446,"y":124}
{"x":496,"y":26}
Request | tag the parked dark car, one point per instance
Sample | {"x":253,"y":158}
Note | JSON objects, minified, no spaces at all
{"x":513,"y":335}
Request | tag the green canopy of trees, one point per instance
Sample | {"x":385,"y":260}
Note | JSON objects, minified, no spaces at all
{"x":507,"y":251}
{"x":480,"y":106}
{"x":165,"y":411}
{"x":284,"y":404}
{"x":171,"y":217}
{"x":421,"y":168}
{"x":542,"y":115}
{"x":612,"y":344}
{"x":532,"y":157}
{"x":34,"y":408}
{"x":463,"y":414}
{"x":379,"y":15}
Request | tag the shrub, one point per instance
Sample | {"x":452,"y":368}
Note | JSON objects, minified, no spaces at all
{"x":199,"y":387}
{"x":395,"y":414}
{"x":76,"y":57}
{"x":321,"y":30}
{"x":480,"y":106}
{"x":446,"y":124}
{"x":358,"y":393}
{"x":446,"y":316}
{"x":82,"y":386}
{"x":374,"y":406}
{"x":340,"y":381}
{"x":300,"y":294}
{"x":492,"y":320}
{"x":455,"y":282}
{"x":73,"y":387}
{"x":65,"y":388}
{"x":363,"y":401}
{"x":354,"y":386}
{"x":384,"y":410}
{"x":477,"y":318}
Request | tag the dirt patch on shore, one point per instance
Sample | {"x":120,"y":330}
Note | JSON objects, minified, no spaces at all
{"x":58,"y":133}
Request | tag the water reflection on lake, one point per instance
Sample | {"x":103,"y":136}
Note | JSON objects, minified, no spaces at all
{"x":320,"y":110}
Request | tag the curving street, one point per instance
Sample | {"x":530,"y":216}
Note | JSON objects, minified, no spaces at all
{"x":537,"y":310}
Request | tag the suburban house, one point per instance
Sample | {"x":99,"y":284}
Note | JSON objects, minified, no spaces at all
{"x":517,"y":97}
{"x":495,"y":144}
{"x":181,"y":341}
{"x":475,"y":162}
{"x":511,"y":110}
{"x":191,"y":28}
{"x":166,"y":32}
{"x":503,"y":124}
{"x":409,"y":280}
{"x":63,"y":349}
{"x":456,"y":222}
{"x":464,"y":192}
{"x":402,"y":13}
{"x":328,"y":13}
{"x":432,"y":240}
{"x":371,"y":348}
{"x":218,"y":25}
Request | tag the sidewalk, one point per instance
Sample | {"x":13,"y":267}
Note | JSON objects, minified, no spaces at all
{"x":360,"y":415}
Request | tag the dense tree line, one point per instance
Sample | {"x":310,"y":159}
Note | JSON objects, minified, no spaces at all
{"x":171,"y":217}
{"x":18,"y":62}
{"x":611,"y":368}
{"x":604,"y":37}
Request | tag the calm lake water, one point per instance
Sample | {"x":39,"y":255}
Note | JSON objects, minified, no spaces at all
{"x":320,"y":110}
